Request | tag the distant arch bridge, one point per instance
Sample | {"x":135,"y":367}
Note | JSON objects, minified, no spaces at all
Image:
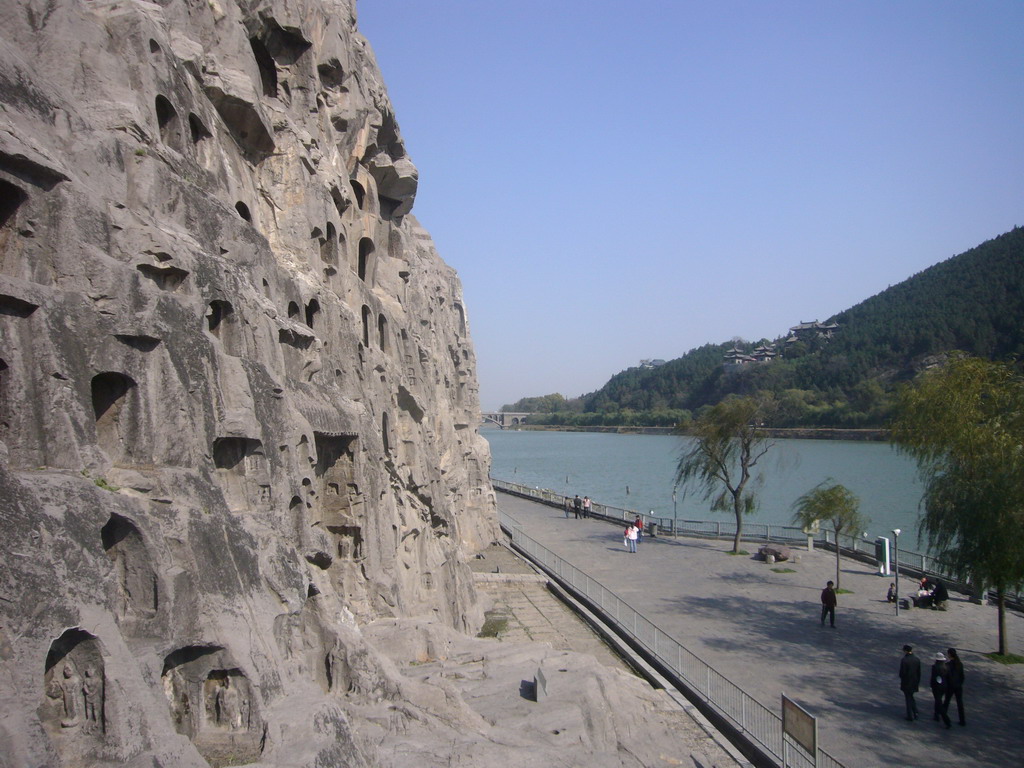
{"x":504,"y":419}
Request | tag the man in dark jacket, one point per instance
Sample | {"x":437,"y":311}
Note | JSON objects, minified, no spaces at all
{"x":910,"y":679}
{"x":828,"y":604}
{"x":956,"y":684}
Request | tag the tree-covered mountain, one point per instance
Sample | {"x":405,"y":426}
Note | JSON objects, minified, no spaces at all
{"x":972,"y":302}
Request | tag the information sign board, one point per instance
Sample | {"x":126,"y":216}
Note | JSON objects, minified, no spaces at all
{"x":801,"y":726}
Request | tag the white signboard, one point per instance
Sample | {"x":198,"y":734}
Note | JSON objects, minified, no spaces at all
{"x":801,"y":726}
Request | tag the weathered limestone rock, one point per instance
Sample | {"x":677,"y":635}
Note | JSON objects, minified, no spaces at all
{"x":240,"y":476}
{"x":237,"y":390}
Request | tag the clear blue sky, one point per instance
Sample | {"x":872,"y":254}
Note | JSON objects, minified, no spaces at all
{"x":616,"y":181}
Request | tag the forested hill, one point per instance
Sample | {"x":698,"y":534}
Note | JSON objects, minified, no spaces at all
{"x":972,"y":302}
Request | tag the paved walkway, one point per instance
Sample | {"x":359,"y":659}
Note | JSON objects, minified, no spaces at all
{"x":526,"y":611}
{"x":667,"y":726}
{"x":759,"y":626}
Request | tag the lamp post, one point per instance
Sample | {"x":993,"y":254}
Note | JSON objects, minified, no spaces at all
{"x":896,"y":563}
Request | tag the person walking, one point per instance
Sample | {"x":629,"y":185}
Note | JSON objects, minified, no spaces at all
{"x":828,"y":604}
{"x":577,"y":506}
{"x":940,"y":685}
{"x":568,"y":507}
{"x":631,"y":537}
{"x":910,"y":679}
{"x":639,"y":525}
{"x":586,"y":506}
{"x":956,"y":685}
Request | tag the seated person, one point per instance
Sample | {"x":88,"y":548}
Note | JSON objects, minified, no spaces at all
{"x":923,"y":598}
{"x":939,"y":595}
{"x":890,"y":596}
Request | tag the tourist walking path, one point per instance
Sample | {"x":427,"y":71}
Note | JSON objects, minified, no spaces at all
{"x":759,"y":626}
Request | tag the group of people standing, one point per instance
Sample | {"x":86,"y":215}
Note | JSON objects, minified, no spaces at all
{"x":947,"y":682}
{"x":633,"y":533}
{"x":581,"y":507}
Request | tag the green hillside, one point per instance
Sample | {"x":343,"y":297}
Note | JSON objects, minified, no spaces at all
{"x":972,"y":302}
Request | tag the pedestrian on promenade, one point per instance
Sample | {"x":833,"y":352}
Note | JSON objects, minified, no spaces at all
{"x":910,"y":679}
{"x":828,"y":604}
{"x":940,"y":685}
{"x":568,"y":507}
{"x":577,"y":506}
{"x":631,"y":536}
{"x":639,"y":525}
{"x":586,"y":506}
{"x":890,"y":596}
{"x":956,"y":684}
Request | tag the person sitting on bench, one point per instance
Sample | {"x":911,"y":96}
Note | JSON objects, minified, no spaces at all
{"x":923,"y":598}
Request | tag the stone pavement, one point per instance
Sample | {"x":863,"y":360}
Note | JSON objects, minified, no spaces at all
{"x":759,"y":626}
{"x":525,"y":610}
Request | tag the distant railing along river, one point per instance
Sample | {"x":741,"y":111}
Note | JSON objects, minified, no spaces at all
{"x":914,"y":564}
{"x":637,"y":472}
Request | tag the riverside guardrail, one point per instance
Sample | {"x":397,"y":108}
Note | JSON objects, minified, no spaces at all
{"x":911,"y":563}
{"x":752,"y":719}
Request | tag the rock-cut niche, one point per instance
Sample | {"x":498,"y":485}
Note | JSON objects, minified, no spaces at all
{"x":338,"y":495}
{"x":365,"y":254}
{"x":167,"y":120}
{"x":242,"y":468}
{"x":366,"y":315}
{"x":359,"y":193}
{"x":73,"y":712}
{"x":115,"y":406}
{"x":222,"y":322}
{"x":213,"y":704}
{"x":382,"y":333}
{"x":11,"y":199}
{"x":137,"y":588}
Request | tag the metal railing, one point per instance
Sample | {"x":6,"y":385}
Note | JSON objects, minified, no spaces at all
{"x":752,"y":720}
{"x":911,"y":563}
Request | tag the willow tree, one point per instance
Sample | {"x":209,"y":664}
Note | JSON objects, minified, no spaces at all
{"x":833,"y":503}
{"x":728,"y":440}
{"x":964,"y":424}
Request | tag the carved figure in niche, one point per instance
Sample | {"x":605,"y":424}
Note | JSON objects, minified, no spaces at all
{"x":243,"y":711}
{"x":75,"y":701}
{"x":230,"y":706}
{"x":92,"y":690}
{"x":72,"y":697}
{"x":339,"y":675}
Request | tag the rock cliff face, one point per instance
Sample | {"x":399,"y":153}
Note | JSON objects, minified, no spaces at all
{"x":237,"y":391}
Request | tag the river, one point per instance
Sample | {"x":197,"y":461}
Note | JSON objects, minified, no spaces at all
{"x":637,"y":472}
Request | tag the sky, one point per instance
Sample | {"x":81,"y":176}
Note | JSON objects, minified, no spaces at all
{"x":616,"y":181}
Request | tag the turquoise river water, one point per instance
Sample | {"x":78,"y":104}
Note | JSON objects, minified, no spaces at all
{"x":637,"y":472}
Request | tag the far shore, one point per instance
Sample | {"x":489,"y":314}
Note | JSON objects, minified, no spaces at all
{"x":796,"y":433}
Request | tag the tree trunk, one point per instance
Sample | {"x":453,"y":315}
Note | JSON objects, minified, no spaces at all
{"x":1001,"y":607}
{"x":737,"y":508}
